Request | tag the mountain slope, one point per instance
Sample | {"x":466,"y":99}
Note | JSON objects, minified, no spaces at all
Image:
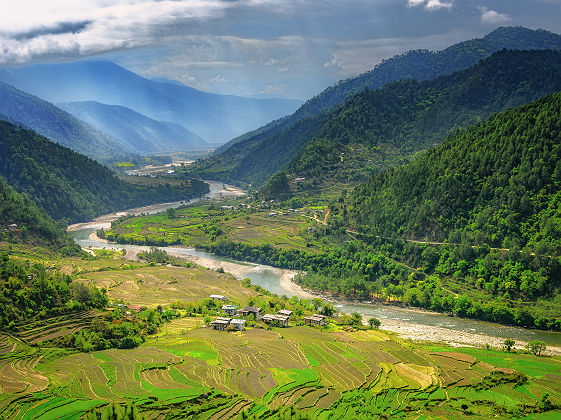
{"x":108,"y":83}
{"x":34,"y":223}
{"x":494,"y":185}
{"x":496,"y":180}
{"x":419,"y":65}
{"x":56,"y":124}
{"x":71,"y":186}
{"x":135,"y":132}
{"x":378,"y":128}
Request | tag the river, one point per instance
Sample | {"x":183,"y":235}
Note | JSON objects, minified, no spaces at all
{"x":409,"y":323}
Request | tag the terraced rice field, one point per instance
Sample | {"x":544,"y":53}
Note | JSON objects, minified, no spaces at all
{"x":160,"y":285}
{"x":51,"y":328}
{"x":191,"y":371}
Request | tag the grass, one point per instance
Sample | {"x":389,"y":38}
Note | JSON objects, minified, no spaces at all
{"x":202,"y":224}
{"x":192,"y":371}
{"x":160,"y":285}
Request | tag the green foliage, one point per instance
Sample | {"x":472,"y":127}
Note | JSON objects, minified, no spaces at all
{"x":509,"y":344}
{"x":256,"y":156}
{"x":33,"y":223}
{"x":155,"y":255}
{"x":276,"y":187}
{"x":29,"y":292}
{"x":536,"y":347}
{"x":374,"y":323}
{"x":73,"y":187}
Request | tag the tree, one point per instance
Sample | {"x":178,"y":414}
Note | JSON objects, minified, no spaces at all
{"x":171,"y":213}
{"x":327,"y":310}
{"x":356,"y":319}
{"x":374,"y":323}
{"x":508,"y":344}
{"x":207,"y":321}
{"x":536,"y":347}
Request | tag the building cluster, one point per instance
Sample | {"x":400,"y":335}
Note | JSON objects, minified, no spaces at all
{"x":280,"y":319}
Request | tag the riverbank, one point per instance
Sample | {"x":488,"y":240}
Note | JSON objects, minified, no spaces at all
{"x":452,"y":338}
{"x":218,"y":191}
{"x":410,"y":323}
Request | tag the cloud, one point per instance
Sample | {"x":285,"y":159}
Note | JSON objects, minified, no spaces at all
{"x":431,"y":4}
{"x":68,"y":28}
{"x":273,"y":89}
{"x":492,"y":17}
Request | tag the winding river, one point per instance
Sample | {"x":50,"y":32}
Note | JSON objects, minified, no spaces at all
{"x":409,"y":323}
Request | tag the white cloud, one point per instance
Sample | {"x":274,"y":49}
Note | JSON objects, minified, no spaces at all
{"x":492,"y":17}
{"x":431,"y":4}
{"x":273,"y":89}
{"x":78,"y":28}
{"x":438,"y":4}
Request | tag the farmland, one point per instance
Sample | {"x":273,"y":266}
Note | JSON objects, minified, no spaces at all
{"x":203,"y":224}
{"x":187,"y":369}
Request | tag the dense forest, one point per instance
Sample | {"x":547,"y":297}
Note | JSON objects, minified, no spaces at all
{"x":392,"y":123}
{"x":491,"y":194}
{"x":31,"y":292}
{"x":33,"y":223}
{"x":73,"y":187}
{"x":231,"y":161}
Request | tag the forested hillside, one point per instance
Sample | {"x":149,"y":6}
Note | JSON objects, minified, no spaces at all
{"x":491,"y":193}
{"x":495,"y":183}
{"x":57,"y":125}
{"x":379,"y":128}
{"x":71,"y":186}
{"x":33,"y":223}
{"x":418,"y":65}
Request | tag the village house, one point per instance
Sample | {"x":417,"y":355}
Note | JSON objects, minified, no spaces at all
{"x":279,"y":320}
{"x":220,"y":323}
{"x":230,"y":310}
{"x":251,"y":310}
{"x":315,"y":319}
{"x":238,"y":324}
{"x":285,"y":312}
{"x":219,"y":297}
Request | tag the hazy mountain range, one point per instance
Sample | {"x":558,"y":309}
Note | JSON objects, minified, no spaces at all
{"x":213,"y":117}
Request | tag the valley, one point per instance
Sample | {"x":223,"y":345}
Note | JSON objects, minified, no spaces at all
{"x":389,"y":248}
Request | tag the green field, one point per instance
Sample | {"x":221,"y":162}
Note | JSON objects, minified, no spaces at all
{"x":203,"y":224}
{"x":191,"y":370}
{"x":187,"y":370}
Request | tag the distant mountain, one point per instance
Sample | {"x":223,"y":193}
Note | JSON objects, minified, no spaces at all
{"x":211,"y":116}
{"x":135,"y":132}
{"x":71,"y":186}
{"x":59,"y":126}
{"x":379,"y":128}
{"x":418,"y":65}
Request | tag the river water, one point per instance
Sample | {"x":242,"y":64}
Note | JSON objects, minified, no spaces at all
{"x":412,"y":323}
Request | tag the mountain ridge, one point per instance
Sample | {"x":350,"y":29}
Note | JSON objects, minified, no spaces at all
{"x":456,"y":57}
{"x":111,"y":84}
{"x":135,"y":132}
{"x":56,"y":124}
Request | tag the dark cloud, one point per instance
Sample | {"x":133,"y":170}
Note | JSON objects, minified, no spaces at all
{"x":59,"y":28}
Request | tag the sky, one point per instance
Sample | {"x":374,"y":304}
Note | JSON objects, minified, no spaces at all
{"x":292,"y":48}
